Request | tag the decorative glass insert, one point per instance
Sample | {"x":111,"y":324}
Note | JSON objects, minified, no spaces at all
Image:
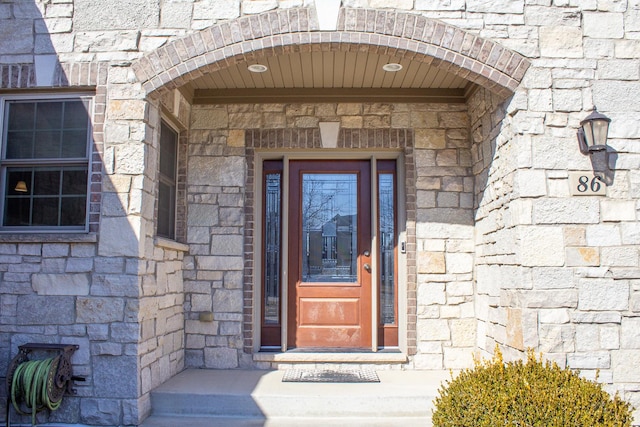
{"x":386,"y":199}
{"x":329,"y":227}
{"x":272,"y":242}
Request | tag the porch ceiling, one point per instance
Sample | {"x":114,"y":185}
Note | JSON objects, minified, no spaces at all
{"x":325,"y":76}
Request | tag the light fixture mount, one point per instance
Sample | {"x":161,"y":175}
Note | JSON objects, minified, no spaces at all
{"x":392,"y":67}
{"x":257,"y":68}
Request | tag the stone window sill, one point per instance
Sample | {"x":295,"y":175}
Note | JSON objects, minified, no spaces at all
{"x":48,"y":238}
{"x":171,"y":244}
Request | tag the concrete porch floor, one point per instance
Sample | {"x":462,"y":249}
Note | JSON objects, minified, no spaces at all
{"x":252,"y":398}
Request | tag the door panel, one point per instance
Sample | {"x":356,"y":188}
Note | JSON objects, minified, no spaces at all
{"x":329,"y":247}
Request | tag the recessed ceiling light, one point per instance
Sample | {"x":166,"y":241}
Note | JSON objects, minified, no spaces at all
{"x":257,"y":68}
{"x":392,"y":67}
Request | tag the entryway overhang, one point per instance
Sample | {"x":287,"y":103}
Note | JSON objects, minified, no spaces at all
{"x":440,"y":62}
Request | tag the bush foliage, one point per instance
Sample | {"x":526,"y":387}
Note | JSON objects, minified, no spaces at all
{"x":531,"y":394}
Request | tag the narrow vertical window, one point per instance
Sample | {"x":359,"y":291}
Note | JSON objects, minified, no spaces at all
{"x":271,"y":254}
{"x":388,"y":333}
{"x":45,"y":164}
{"x":167,"y":182}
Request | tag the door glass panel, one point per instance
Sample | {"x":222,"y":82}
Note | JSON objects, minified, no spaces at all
{"x":329,"y":227}
{"x":272,"y":250}
{"x":387,"y":246}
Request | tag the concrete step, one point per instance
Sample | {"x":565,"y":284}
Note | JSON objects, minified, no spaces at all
{"x":260,"y":398}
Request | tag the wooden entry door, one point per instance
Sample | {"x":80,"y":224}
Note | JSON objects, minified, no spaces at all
{"x":329,"y":286}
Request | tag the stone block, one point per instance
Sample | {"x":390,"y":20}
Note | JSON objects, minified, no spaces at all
{"x":430,"y":138}
{"x":541,"y":246}
{"x":431,"y":263}
{"x":227,"y":245}
{"x":566,"y":211}
{"x":561,"y":42}
{"x":61,"y":284}
{"x":219,"y":171}
{"x":116,"y":14}
{"x":20,"y":32}
{"x":582,"y":256}
{"x":45,"y":310}
{"x":433,"y":330}
{"x":591,"y":360}
{"x":459,"y":263}
{"x":630,"y":333}
{"x":613,"y":95}
{"x":220,"y":358}
{"x":620,"y":256}
{"x":463,"y":332}
{"x":618,"y":210}
{"x":97,"y":411}
{"x":119,"y":236}
{"x":227,"y":301}
{"x":99,"y":310}
{"x":106,"y":41}
{"x":176,"y":14}
{"x":431,"y":293}
{"x":220,"y":263}
{"x":603,"y":295}
{"x":624,"y":364}
{"x":495,"y":6}
{"x":603,"y":25}
{"x":603,"y":235}
{"x":106,"y":371}
{"x":458,"y":358}
{"x":531,"y":183}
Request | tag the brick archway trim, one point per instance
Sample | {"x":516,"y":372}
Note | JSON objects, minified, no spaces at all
{"x":283,"y":31}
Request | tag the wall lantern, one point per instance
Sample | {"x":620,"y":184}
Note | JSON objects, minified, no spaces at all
{"x":592,"y":135}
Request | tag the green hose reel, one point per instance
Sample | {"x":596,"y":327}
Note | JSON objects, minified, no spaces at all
{"x":39,"y":384}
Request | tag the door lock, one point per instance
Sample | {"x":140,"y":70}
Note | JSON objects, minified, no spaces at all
{"x":367,"y":267}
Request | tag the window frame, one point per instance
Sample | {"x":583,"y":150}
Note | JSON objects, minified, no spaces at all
{"x":5,"y":164}
{"x":162,"y":178}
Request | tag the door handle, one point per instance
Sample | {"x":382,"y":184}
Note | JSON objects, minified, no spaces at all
{"x":367,"y":267}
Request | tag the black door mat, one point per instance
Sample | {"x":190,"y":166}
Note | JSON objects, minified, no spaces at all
{"x":363,"y":375}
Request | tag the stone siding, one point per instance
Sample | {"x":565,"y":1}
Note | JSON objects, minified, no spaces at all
{"x":503,"y":253}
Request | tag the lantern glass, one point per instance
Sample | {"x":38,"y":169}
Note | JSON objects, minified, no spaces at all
{"x":594,"y":131}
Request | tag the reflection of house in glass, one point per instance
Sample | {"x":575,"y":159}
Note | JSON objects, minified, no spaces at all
{"x":331,"y":251}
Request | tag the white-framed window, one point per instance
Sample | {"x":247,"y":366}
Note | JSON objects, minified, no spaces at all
{"x":167,"y":177}
{"x":44,"y":163}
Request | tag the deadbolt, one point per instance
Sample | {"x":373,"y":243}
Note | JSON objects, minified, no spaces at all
{"x":367,"y":267}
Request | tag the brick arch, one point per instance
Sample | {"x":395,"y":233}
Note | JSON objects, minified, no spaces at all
{"x":283,"y":31}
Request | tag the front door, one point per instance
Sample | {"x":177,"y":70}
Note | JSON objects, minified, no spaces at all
{"x":329,"y":286}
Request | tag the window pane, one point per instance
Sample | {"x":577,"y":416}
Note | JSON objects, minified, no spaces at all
{"x":74,"y":143}
{"x":45,"y":211}
{"x":272,"y":250}
{"x":46,"y":182}
{"x":387,"y":248}
{"x":75,"y":115}
{"x":19,"y":145}
{"x":49,"y":115}
{"x":73,"y":211}
{"x":16,"y":211}
{"x":21,"y":115}
{"x":47,"y":144}
{"x":74,"y":181}
{"x":168,"y":151}
{"x":166,"y":210}
{"x":329,"y":227}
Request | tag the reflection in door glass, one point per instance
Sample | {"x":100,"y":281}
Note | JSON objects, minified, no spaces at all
{"x":329,"y":227}
{"x":387,"y":245}
{"x":272,"y":250}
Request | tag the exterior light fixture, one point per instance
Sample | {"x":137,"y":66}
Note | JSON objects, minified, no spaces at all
{"x":392,"y":67}
{"x":21,"y":187}
{"x":592,"y":135}
{"x":257,"y":68}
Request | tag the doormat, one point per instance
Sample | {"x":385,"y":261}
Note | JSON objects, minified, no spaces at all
{"x":363,"y":375}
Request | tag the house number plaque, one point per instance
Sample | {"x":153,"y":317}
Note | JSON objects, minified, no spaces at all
{"x":586,"y":184}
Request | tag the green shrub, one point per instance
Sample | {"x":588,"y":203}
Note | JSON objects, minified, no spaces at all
{"x":531,"y":394}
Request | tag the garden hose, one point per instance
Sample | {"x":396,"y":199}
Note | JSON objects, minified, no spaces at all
{"x":32,"y":384}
